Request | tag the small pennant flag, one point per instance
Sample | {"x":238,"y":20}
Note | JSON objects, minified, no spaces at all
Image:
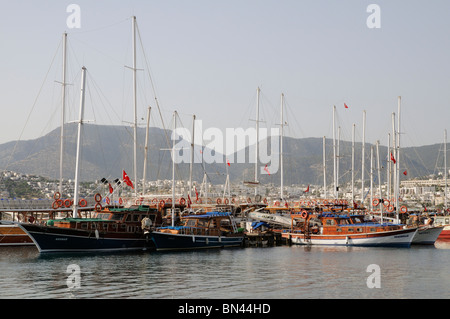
{"x":228,"y":162}
{"x":196,"y":193}
{"x":266,"y":169}
{"x":346,"y":106}
{"x":405,"y":173}
{"x":111,"y":190}
{"x":307,"y":190}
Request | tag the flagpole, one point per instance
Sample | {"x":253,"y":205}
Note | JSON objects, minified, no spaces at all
{"x":445,"y":169}
{"x":281,"y":148}
{"x":397,"y":210}
{"x":324,"y":168}
{"x":257,"y":139}
{"x":80,"y":123}
{"x":362,"y":159}
{"x":334,"y":153}
{"x":353,"y":164}
{"x":134,"y":101}
{"x":63,"y":107}
{"x":173,"y":167}
{"x":146,"y":150}
{"x":192,"y":157}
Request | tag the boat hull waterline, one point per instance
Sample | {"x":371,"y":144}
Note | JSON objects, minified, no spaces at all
{"x":55,"y":239}
{"x":167,"y":241}
{"x":395,"y":238}
{"x":427,"y":235}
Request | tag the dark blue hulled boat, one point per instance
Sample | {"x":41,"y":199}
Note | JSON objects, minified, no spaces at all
{"x":119,"y":229}
{"x":208,"y":230}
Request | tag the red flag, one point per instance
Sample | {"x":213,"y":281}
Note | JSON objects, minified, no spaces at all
{"x":266,"y":169}
{"x":393,"y":159}
{"x":405,"y":173}
{"x":127,"y":180}
{"x":189,"y":201}
{"x":307,"y":190}
{"x":345,"y":105}
{"x":111,"y":190}
{"x":228,"y":162}
{"x":196,"y":194}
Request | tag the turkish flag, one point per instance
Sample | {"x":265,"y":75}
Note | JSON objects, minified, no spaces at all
{"x":127,"y":180}
{"x":345,"y":105}
{"x":393,"y":159}
{"x":111,"y":190}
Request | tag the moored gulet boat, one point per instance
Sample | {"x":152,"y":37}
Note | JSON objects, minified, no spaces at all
{"x":205,"y":230}
{"x":346,"y":230}
{"x":115,"y":229}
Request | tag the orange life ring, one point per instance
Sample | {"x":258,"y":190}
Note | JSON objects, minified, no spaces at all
{"x":57,"y":195}
{"x":82,"y":202}
{"x":277,"y":203}
{"x":107,"y":200}
{"x":169,"y":200}
{"x":226,"y":201}
{"x":219,"y":201}
{"x":182,"y":201}
{"x":162,"y":203}
{"x":325,"y":202}
{"x":55,"y":205}
{"x":97,"y":197}
{"x":233,"y":201}
{"x":403,"y":209}
{"x":249,"y":200}
{"x":265,"y":200}
{"x":388,"y":203}
{"x":390,"y":208}
{"x":375,"y":202}
{"x":67,"y":202}
{"x":120,"y":201}
{"x":154,"y":201}
{"x":304,"y":214}
{"x":98,"y":207}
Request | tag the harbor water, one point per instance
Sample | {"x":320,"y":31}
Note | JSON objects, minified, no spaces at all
{"x":281,"y":272}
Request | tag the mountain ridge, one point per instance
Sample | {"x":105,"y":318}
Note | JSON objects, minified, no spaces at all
{"x":108,"y":149}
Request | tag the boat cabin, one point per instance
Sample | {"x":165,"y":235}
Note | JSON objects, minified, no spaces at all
{"x":210,"y":223}
{"x":113,"y":220}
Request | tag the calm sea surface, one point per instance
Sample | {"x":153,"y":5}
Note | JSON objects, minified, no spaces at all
{"x":283,"y":272}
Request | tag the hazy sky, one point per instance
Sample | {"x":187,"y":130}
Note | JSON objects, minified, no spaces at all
{"x":207,"y":57}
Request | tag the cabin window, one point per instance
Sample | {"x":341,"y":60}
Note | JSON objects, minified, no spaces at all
{"x":135,"y":218}
{"x":330,"y":222}
{"x":339,"y":230}
{"x":83,"y":225}
{"x":212,"y":223}
{"x":128,"y":218}
{"x":350,"y":230}
{"x":372,"y":229}
{"x":190,"y":223}
{"x":117,"y":217}
{"x":359,"y":230}
{"x":447,"y":220}
{"x":202,"y":223}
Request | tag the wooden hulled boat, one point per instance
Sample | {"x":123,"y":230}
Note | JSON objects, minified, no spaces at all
{"x":443,"y":220}
{"x":206,"y":230}
{"x":346,"y":230}
{"x":12,"y":235}
{"x":115,"y":229}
